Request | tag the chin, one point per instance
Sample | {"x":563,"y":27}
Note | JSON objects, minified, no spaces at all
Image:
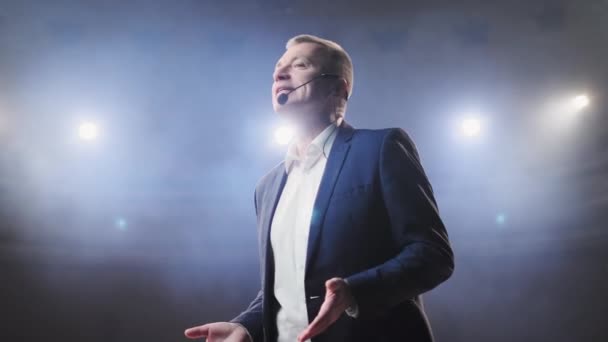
{"x":286,"y":114}
{"x":283,"y":110}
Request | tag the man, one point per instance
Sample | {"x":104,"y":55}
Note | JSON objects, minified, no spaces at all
{"x":349,"y":232}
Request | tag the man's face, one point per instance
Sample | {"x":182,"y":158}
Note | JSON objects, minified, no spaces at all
{"x":299,"y":64}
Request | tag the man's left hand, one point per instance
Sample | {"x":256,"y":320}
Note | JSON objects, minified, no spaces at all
{"x":337,"y":299}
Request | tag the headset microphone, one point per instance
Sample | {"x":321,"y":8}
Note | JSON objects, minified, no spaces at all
{"x":283,"y":97}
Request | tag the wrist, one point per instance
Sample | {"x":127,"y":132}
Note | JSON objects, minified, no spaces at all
{"x":244,"y":330}
{"x":353,"y":309}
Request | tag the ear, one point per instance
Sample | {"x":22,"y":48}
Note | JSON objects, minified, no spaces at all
{"x":341,"y":89}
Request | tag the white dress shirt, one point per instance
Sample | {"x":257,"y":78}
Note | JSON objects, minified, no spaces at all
{"x":290,"y":228}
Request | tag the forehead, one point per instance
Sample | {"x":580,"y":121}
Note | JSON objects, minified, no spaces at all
{"x":310,"y":51}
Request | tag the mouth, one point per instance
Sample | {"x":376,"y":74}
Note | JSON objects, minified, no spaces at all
{"x":282,"y":89}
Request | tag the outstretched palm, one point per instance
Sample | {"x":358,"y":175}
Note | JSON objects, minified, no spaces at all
{"x":219,"y":332}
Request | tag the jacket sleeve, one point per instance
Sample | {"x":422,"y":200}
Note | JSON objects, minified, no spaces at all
{"x":425,"y":258}
{"x":252,"y":319}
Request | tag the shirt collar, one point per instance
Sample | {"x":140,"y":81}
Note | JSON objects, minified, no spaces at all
{"x":321,"y":145}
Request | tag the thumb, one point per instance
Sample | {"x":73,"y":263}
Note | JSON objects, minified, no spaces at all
{"x":333,"y":284}
{"x":196,"y":332}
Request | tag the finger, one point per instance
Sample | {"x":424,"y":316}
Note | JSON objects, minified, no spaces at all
{"x":320,"y":323}
{"x":325,"y":317}
{"x":313,"y":331}
{"x":196,"y":332}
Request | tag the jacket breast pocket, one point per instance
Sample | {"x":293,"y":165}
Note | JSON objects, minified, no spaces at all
{"x":356,"y":190}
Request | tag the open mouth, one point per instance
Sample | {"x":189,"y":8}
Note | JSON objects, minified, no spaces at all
{"x":282,"y":90}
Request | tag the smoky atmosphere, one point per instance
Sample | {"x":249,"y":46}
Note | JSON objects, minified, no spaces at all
{"x":135,"y":137}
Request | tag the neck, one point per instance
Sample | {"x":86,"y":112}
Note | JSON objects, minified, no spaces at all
{"x":308,"y":132}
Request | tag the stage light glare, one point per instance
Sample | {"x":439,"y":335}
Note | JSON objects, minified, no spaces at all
{"x":581,"y":101}
{"x":283,"y":135}
{"x":88,"y":131}
{"x":471,"y":127}
{"x":501,"y":219}
{"x":121,"y":224}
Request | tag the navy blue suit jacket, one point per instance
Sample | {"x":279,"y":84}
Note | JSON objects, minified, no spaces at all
{"x":375,"y":223}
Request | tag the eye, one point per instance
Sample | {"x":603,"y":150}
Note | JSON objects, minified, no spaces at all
{"x":300,"y":65}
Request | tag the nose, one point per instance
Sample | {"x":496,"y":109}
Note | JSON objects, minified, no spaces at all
{"x":280,"y":75}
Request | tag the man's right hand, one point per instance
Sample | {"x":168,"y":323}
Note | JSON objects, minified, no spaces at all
{"x":219,"y":332}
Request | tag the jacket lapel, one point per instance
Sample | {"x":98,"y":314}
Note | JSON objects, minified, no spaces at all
{"x":333,"y":167}
{"x":277,"y":183}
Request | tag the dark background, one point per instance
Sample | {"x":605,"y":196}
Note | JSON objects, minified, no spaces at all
{"x":150,"y":229}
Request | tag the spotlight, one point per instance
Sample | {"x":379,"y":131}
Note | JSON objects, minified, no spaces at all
{"x":283,"y":135}
{"x":579,"y":102}
{"x":88,"y":131}
{"x":471,"y":127}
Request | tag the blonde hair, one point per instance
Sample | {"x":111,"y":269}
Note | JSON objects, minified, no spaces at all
{"x":337,"y":61}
